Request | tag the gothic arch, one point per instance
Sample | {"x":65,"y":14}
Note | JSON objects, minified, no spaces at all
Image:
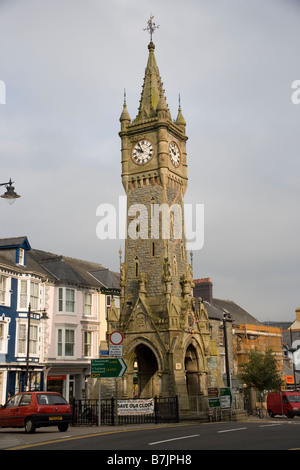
{"x":194,"y":364}
{"x":144,"y":369}
{"x":199,"y":348}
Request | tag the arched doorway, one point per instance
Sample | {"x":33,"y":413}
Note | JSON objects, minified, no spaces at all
{"x":145,"y":377}
{"x":192,"y":375}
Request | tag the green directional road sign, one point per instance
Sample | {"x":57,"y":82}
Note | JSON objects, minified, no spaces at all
{"x":214,"y":402}
{"x":108,"y":367}
{"x":226,"y":397}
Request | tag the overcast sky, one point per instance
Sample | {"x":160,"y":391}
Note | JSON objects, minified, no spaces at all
{"x":65,"y":64}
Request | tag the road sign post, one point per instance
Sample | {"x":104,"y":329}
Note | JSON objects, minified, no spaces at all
{"x":107,"y":368}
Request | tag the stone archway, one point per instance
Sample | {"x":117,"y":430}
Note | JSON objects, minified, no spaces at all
{"x":146,"y":368}
{"x":191,"y":368}
{"x":143,"y":372}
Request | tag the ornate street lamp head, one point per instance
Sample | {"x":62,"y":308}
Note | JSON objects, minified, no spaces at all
{"x":10,"y":194}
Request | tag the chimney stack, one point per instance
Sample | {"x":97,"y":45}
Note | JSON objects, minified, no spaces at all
{"x":203,"y":289}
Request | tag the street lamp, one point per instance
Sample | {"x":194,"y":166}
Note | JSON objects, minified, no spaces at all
{"x":10,"y":194}
{"x":226,"y":316}
{"x":44,"y":316}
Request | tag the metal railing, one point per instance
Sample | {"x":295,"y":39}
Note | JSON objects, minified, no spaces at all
{"x":85,"y":412}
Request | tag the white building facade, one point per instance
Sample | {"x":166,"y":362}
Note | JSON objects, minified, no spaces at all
{"x":65,"y":303}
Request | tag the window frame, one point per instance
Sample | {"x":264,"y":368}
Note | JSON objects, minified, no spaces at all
{"x":5,"y":287}
{"x":87,"y":306}
{"x":21,"y":256}
{"x":4,"y":337}
{"x":62,"y":343}
{"x":63,"y":303}
{"x":30,"y":291}
{"x":21,"y":338}
{"x":87,"y":343}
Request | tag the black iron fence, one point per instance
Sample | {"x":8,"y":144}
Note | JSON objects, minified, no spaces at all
{"x":86,"y":412}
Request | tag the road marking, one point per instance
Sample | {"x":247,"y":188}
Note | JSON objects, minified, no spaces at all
{"x":174,"y":439}
{"x":269,"y":425}
{"x":88,"y":435}
{"x":231,"y":430}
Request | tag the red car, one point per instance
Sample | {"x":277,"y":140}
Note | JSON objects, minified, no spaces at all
{"x":36,"y":409}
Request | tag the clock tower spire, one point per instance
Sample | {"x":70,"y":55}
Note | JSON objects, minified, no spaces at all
{"x":157,"y":307}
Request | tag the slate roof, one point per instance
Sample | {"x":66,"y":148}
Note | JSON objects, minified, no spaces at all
{"x":108,"y":279}
{"x":213,"y":312}
{"x":15,"y":241}
{"x":75,"y":271}
{"x":237,"y":313}
{"x":60,"y":268}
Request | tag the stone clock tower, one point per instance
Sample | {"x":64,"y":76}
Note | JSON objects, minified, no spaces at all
{"x":165,"y":336}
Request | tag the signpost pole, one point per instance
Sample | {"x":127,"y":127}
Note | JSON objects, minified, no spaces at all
{"x":99,"y":405}
{"x":116,"y":420}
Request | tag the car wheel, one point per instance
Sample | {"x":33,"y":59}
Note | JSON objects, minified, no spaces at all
{"x":271,"y":414}
{"x":63,"y":427}
{"x":29,"y":426}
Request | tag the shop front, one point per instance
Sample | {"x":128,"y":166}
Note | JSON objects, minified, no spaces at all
{"x":70,"y":383}
{"x":12,"y":381}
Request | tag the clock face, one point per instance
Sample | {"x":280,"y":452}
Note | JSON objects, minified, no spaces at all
{"x":174,"y":154}
{"x":142,"y":152}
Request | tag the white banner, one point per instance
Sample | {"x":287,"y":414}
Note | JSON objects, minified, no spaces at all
{"x":133,"y":407}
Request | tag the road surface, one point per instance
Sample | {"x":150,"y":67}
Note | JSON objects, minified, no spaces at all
{"x":274,"y":434}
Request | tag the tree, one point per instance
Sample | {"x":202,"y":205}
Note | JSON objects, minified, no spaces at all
{"x":260,"y":371}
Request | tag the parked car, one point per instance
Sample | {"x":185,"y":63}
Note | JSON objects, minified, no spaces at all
{"x":283,"y":403}
{"x":34,"y":410}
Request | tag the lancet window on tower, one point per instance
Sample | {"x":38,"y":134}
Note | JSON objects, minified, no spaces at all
{"x":175,"y":265}
{"x":136,"y":266}
{"x":153,"y":250}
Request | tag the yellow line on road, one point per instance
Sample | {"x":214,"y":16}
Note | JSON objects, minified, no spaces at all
{"x":84,"y":436}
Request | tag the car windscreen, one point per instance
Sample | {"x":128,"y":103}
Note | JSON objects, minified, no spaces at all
{"x":293,"y":398}
{"x":45,"y":399}
{"x":14,"y":401}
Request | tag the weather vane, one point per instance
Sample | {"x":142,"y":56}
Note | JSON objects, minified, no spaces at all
{"x":151,"y":27}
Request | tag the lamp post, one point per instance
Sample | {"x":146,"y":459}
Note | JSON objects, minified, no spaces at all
{"x":44,"y":317}
{"x":226,"y":346}
{"x":10,"y":195}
